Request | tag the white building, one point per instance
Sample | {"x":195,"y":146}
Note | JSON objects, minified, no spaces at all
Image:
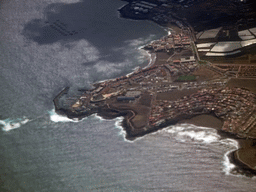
{"x":210,"y":34}
{"x":245,"y":35}
{"x":187,"y":59}
{"x":226,"y":46}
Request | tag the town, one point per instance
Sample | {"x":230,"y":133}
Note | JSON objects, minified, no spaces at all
{"x":165,"y":91}
{"x":236,"y":107}
{"x":197,"y":71}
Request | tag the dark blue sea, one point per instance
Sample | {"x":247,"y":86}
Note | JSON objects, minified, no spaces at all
{"x":46,"y":45}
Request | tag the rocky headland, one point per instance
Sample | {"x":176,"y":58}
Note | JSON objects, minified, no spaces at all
{"x":178,"y":87}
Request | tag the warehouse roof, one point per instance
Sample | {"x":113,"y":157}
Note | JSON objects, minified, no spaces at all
{"x":212,"y":33}
{"x":226,"y":46}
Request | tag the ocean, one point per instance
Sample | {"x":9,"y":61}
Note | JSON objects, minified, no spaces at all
{"x":46,"y":45}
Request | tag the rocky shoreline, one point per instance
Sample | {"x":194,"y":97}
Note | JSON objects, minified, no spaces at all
{"x":108,"y":113}
{"x":105,"y":103}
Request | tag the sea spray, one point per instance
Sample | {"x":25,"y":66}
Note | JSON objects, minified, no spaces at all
{"x":191,"y":133}
{"x":184,"y":132}
{"x":58,"y":118}
{"x":118,"y":122}
{"x":10,"y":124}
{"x":227,"y":165}
{"x":100,"y":118}
{"x":55,"y":117}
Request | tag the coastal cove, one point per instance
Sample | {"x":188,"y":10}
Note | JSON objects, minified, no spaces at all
{"x":146,"y":98}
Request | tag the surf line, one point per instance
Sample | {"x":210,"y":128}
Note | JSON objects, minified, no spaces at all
{"x":10,"y":124}
{"x":15,"y":123}
{"x":197,"y":134}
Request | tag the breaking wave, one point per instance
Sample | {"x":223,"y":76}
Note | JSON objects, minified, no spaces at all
{"x":187,"y":132}
{"x":195,"y":134}
{"x":10,"y":124}
{"x":59,"y":118}
{"x":122,"y":132}
{"x":228,"y":166}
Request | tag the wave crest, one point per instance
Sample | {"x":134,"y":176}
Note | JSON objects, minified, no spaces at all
{"x":192,"y":133}
{"x":10,"y":124}
{"x":185,"y":132}
{"x":59,"y":118}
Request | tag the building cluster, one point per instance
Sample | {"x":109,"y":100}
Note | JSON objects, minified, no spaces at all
{"x":181,"y":68}
{"x":235,"y":70}
{"x":163,"y":12}
{"x":142,"y":7}
{"x":191,"y":85}
{"x":236,"y":107}
{"x":170,"y":42}
{"x":119,"y":87}
{"x":158,"y":11}
{"x":246,"y":71}
{"x":217,"y":48}
{"x":153,"y":78}
{"x":185,"y":3}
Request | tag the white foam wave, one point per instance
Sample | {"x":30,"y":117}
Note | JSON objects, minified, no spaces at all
{"x":228,"y":166}
{"x":192,"y":133}
{"x":151,"y":56}
{"x":100,"y":118}
{"x":230,"y":142}
{"x":187,"y":132}
{"x":122,"y":131}
{"x":118,"y":121}
{"x":59,"y":118}
{"x":152,"y":59}
{"x":10,"y":124}
{"x":139,"y":42}
{"x":118,"y":125}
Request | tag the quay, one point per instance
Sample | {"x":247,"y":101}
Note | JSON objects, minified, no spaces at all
{"x":56,"y":99}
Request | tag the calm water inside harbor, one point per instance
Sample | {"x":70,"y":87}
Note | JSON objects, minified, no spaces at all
{"x":46,"y":45}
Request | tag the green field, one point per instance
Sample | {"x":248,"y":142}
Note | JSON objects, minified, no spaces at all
{"x":186,"y":78}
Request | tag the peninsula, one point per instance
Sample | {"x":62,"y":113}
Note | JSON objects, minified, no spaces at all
{"x":203,"y":67}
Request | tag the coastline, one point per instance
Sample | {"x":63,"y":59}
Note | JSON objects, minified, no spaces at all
{"x":152,"y":60}
{"x":245,"y":145}
{"x":205,"y":120}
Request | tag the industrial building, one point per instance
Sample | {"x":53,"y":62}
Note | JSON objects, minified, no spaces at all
{"x":253,"y":30}
{"x":204,"y":45}
{"x":187,"y":56}
{"x":222,"y":54}
{"x":248,"y":42}
{"x":187,"y":59}
{"x":245,"y":35}
{"x":209,"y":34}
{"x":123,"y":98}
{"x":203,"y":50}
{"x":227,"y":46}
{"x":133,"y":93}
